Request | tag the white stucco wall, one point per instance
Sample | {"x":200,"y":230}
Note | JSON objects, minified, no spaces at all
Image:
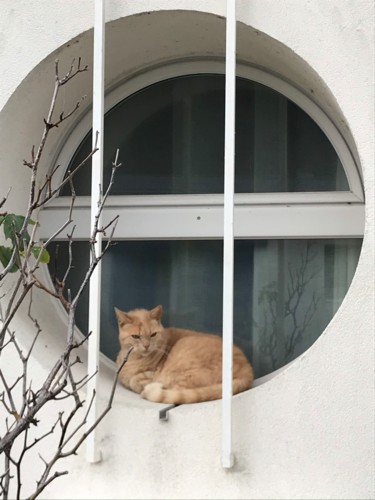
{"x":309,"y":431}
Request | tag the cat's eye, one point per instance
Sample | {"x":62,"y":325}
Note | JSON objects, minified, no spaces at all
{"x":135,"y":336}
{"x":153,"y":334}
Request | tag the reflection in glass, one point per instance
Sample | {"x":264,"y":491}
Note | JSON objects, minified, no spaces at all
{"x":286,"y":291}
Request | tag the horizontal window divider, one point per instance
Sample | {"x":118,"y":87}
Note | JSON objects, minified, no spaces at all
{"x":338,"y":220}
{"x":180,"y":200}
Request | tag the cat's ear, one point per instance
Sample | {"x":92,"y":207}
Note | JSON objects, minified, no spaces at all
{"x":122,"y":317}
{"x":157,"y":312}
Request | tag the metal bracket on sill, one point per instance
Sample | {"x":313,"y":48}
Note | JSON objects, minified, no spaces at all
{"x":163,"y":414}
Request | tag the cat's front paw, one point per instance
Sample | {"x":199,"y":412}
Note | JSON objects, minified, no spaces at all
{"x":153,"y":392}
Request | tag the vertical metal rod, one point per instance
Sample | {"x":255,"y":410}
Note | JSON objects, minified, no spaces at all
{"x":228,"y":263}
{"x":92,"y":452}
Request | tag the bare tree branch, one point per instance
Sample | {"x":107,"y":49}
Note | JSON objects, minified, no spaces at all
{"x":4,"y":199}
{"x":295,"y":310}
{"x":21,"y":398}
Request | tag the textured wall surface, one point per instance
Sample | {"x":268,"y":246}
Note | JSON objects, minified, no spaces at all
{"x":309,"y":431}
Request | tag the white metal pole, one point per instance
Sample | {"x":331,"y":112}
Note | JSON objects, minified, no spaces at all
{"x":228,"y":263}
{"x":92,"y":452}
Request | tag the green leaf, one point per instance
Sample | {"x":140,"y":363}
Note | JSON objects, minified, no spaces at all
{"x":5,"y":256}
{"x":2,"y":217}
{"x":45,"y":255}
{"x":13,"y":224}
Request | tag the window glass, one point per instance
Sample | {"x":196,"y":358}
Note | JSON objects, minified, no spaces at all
{"x":286,"y":291}
{"x":171,"y":141}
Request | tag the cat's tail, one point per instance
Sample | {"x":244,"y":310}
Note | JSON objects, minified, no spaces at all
{"x":158,"y":394}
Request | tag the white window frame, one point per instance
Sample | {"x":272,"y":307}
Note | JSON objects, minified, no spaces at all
{"x":202,"y":214}
{"x":299,"y":215}
{"x":336,"y":214}
{"x":144,"y":79}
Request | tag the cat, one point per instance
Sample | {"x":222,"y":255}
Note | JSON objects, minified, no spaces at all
{"x":174,"y":365}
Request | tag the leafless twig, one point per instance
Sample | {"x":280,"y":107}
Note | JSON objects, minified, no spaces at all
{"x":21,"y":398}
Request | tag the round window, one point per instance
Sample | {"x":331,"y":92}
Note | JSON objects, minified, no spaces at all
{"x":297,"y":241}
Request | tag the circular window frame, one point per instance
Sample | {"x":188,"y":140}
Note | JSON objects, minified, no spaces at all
{"x":141,"y":80}
{"x":138,"y":81}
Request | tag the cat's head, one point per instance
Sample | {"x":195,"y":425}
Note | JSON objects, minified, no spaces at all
{"x":141,"y":329}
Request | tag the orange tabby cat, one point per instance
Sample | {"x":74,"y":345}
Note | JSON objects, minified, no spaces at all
{"x":173,"y":365}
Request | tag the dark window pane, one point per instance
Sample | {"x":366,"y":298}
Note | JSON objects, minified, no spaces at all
{"x":171,"y":141}
{"x":286,"y":291}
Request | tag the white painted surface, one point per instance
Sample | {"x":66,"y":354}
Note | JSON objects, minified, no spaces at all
{"x":92,"y":450}
{"x":227,"y":457}
{"x":309,"y":431}
{"x":196,"y":218}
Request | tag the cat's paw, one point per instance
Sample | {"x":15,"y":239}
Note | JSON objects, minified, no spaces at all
{"x":153,"y":392}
